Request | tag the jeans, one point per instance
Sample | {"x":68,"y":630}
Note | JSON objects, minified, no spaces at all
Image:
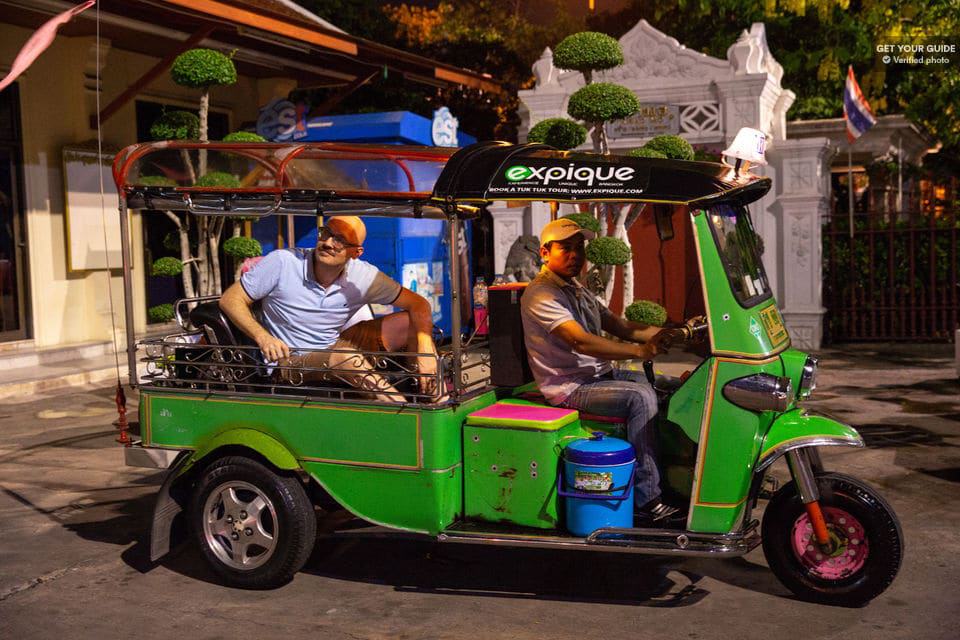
{"x":628,"y":395}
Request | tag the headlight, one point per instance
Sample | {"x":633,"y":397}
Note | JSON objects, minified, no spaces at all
{"x":808,"y":379}
{"x":760,"y":392}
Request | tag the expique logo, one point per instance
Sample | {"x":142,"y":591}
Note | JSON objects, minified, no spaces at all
{"x":586,"y":175}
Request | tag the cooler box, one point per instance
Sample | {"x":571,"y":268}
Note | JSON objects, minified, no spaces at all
{"x":511,"y":450}
{"x":508,"y":352}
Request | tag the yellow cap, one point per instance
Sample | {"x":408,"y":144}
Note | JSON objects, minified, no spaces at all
{"x":562,"y":229}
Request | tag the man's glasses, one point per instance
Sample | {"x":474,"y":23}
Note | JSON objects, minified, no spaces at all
{"x":338,"y":241}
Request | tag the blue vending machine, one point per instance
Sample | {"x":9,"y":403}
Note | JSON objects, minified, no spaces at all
{"x":412,"y":252}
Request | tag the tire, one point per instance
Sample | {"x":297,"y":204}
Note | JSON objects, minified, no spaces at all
{"x":867,"y":536}
{"x":255,"y":528}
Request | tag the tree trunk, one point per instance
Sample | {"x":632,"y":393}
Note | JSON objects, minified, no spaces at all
{"x":620,"y":231}
{"x":587,"y":76}
{"x":204,"y":113}
{"x":203,"y":266}
{"x":216,"y":228}
{"x":185,"y":257}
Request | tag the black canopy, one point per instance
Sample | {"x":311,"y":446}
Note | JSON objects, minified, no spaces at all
{"x":489,"y":171}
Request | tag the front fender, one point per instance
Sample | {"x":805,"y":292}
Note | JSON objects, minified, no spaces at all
{"x":795,"y":429}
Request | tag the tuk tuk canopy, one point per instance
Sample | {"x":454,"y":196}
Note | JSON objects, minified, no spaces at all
{"x":258,"y":179}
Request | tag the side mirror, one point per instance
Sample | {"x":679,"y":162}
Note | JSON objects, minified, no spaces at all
{"x":664,"y":217}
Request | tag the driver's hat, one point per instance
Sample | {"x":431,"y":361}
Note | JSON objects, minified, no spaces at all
{"x":561,"y":230}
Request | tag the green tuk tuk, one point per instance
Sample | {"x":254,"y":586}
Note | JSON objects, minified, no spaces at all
{"x":250,"y":456}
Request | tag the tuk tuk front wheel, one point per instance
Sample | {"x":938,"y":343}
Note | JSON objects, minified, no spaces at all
{"x":866,"y":542}
{"x":255,"y":528}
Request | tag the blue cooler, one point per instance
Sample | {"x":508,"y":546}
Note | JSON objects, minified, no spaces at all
{"x":596,"y":482}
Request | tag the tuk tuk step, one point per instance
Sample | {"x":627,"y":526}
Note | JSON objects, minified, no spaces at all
{"x":623,"y":540}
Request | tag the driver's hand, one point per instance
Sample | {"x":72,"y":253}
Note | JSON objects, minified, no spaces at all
{"x":666,"y":338}
{"x":692,"y":325}
{"x":647,"y":351}
{"x":273,"y":348}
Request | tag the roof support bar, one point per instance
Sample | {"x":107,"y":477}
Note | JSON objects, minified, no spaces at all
{"x":131,"y":92}
{"x":331,"y":102}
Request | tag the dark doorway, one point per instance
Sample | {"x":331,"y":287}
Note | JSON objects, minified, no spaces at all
{"x":13,"y":325}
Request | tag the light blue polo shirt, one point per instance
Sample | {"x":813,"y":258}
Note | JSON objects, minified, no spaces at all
{"x":299,"y":310}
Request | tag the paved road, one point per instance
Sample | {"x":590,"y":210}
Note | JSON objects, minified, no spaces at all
{"x":73,"y":556}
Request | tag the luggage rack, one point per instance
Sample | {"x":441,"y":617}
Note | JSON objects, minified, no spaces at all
{"x":179,"y":361}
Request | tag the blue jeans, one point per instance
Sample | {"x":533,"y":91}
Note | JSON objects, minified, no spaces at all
{"x":629,"y":395}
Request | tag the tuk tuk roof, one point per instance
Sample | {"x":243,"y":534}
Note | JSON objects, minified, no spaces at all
{"x":257,"y":179}
{"x":489,"y":171}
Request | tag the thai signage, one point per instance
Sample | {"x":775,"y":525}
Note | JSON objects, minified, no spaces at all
{"x":651,"y":120}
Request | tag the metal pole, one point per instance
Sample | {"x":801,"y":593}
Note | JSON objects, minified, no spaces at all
{"x":850,"y":183}
{"x":128,"y":291}
{"x":899,"y":173}
{"x":455,"y":295}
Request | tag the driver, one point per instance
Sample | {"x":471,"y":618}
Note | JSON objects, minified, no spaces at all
{"x":308,"y":300}
{"x":570,"y":360}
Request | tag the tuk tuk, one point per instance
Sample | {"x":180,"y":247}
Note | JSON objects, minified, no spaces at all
{"x":250,"y":455}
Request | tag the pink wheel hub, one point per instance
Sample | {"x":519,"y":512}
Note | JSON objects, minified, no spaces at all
{"x":848,"y":541}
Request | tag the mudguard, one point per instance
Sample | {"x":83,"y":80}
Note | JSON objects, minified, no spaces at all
{"x":267,"y":446}
{"x":795,"y":429}
{"x":167,"y":507}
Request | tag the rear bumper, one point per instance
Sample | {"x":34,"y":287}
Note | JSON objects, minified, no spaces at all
{"x":137,"y":455}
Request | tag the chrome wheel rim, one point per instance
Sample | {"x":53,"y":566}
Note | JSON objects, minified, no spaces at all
{"x":240,"y":525}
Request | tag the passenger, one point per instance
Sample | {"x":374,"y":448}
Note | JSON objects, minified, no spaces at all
{"x":570,"y":360}
{"x":309,"y":297}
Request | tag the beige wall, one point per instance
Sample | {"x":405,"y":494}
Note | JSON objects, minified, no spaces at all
{"x":69,"y":307}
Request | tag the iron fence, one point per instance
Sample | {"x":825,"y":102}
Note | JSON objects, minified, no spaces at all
{"x":894,"y":278}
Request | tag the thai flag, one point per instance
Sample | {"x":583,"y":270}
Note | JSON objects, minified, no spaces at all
{"x":856,"y":111}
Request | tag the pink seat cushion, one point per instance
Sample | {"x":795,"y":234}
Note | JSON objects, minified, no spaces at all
{"x":523,"y":416}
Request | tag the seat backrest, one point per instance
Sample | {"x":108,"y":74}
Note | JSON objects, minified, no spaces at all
{"x":218,"y":328}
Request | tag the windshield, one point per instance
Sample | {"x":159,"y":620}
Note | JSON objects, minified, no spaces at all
{"x":740,"y":248}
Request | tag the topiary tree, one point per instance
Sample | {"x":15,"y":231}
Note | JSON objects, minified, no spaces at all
{"x":198,"y":237}
{"x":646,"y":312}
{"x":596,"y":104}
{"x":643,"y":152}
{"x":585,"y":220}
{"x":240,"y":248}
{"x":176,"y":125}
{"x":160,"y":313}
{"x":243,"y":136}
{"x":599,"y":103}
{"x":607,"y":251}
{"x":203,"y":69}
{"x":673,"y":147}
{"x":586,"y":52}
{"x":561,"y":133}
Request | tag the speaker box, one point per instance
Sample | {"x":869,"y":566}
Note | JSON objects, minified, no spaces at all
{"x":508,"y":351}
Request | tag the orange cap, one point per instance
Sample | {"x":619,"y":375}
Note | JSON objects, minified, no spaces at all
{"x":351,"y":228}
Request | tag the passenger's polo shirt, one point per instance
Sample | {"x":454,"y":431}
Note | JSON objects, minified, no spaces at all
{"x":299,"y":310}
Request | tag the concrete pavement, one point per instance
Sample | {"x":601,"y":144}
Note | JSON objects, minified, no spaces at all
{"x":73,"y":556}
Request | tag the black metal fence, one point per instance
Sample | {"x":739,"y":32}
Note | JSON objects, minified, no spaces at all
{"x":896,"y":278}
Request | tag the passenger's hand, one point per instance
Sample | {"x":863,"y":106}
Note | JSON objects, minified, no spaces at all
{"x":427,"y":367}
{"x":273,"y":348}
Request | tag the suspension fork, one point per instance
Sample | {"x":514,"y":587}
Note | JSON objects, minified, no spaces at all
{"x":802,"y":471}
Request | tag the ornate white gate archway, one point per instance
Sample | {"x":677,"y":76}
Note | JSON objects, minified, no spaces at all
{"x":707,"y":100}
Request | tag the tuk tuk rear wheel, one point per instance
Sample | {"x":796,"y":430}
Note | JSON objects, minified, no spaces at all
{"x":867,"y":543}
{"x":255,"y":528}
